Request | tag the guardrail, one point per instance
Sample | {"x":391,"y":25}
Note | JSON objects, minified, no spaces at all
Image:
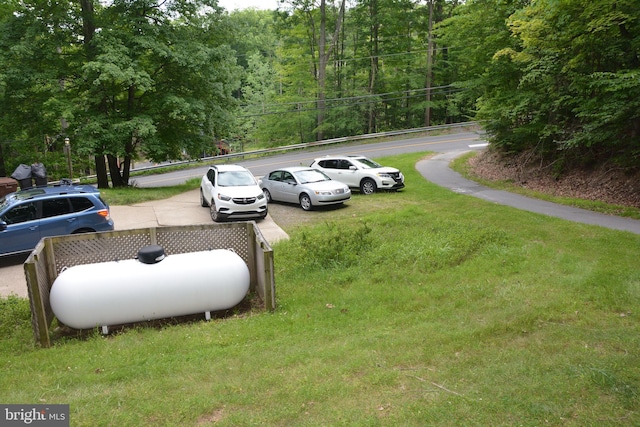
{"x":305,"y":145}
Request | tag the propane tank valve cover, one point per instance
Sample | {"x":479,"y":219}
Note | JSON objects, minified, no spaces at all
{"x":151,"y":254}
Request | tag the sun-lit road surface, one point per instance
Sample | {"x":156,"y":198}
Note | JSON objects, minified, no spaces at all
{"x":263,"y":165}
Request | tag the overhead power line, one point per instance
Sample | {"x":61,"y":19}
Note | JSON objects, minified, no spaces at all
{"x":350,"y":102}
{"x":373,"y":95}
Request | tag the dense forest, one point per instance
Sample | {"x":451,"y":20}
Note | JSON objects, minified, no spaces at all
{"x":125,"y":80}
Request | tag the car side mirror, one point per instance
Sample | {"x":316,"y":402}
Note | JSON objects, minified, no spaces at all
{"x":352,"y":168}
{"x":3,"y":225}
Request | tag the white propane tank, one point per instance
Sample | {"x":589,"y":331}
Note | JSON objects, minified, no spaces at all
{"x":119,"y":292}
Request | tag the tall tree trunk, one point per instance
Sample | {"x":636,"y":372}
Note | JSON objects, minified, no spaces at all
{"x":114,"y":171}
{"x":324,"y":53}
{"x":427,"y":111}
{"x":339,"y":61}
{"x":373,"y":69}
{"x":322,"y":70}
{"x":101,"y":171}
{"x":88,"y":31}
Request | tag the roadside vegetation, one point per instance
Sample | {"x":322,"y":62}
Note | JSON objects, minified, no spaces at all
{"x":421,"y":307}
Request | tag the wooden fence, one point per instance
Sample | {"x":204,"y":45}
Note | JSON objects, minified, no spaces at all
{"x":53,"y":254}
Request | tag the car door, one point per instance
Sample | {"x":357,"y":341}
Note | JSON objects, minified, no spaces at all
{"x":22,"y":233}
{"x":346,"y":172}
{"x":57,"y":218}
{"x":207,"y":185}
{"x":330,"y":167}
{"x":289,"y":188}
{"x":275,"y":185}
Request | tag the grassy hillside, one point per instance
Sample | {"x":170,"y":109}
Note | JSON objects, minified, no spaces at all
{"x":422,"y":307}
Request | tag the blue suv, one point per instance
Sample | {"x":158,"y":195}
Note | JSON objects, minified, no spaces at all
{"x":27,"y":216}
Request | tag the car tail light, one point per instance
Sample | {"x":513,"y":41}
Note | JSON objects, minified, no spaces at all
{"x":104,"y":213}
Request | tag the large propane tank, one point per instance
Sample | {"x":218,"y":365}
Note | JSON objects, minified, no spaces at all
{"x":150,"y":287}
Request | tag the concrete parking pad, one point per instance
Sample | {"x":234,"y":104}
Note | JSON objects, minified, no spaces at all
{"x":183,"y":209}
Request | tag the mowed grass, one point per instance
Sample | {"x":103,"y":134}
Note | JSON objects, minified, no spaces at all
{"x":421,"y":307}
{"x":131,"y":195}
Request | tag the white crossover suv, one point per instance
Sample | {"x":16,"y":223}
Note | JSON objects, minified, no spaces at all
{"x":360,"y":172}
{"x":232,"y":191}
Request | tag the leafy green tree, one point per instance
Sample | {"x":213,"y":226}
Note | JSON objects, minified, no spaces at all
{"x":323,"y":24}
{"x":556,"y":77}
{"x":120,"y":79}
{"x":155,"y":82}
{"x":32,"y":82}
{"x":258,"y":94}
{"x":581,"y":70}
{"x":294,"y":116}
{"x":472,"y":35}
{"x":376,"y":71}
{"x":256,"y":54}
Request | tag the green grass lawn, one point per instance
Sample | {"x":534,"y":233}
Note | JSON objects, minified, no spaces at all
{"x":131,"y":195}
{"x":421,"y":307}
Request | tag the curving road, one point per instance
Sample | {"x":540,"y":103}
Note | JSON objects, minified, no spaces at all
{"x":435,"y":170}
{"x":261,"y":166}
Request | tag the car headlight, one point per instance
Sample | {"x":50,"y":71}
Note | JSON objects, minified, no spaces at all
{"x":384,"y":175}
{"x":322,"y":193}
{"x":260,"y":196}
{"x":223,"y":197}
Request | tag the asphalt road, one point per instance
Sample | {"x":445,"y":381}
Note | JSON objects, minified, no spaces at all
{"x":263,"y":165}
{"x":436,"y":170}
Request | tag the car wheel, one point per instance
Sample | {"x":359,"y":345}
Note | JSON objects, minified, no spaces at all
{"x":368,"y":186}
{"x":267,"y":195}
{"x":305,"y":202}
{"x":203,"y":201}
{"x":214,"y":212}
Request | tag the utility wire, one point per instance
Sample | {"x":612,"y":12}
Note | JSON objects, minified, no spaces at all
{"x":358,"y":101}
{"x":373,"y":95}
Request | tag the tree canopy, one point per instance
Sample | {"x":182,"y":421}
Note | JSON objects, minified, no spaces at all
{"x":129,"y":79}
{"x":561,"y":78}
{"x":117,"y":79}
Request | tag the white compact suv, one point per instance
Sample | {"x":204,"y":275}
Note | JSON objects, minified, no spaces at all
{"x":232,"y":191}
{"x":360,"y":172}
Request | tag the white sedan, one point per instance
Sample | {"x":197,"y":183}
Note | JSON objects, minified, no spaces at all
{"x":307,"y":186}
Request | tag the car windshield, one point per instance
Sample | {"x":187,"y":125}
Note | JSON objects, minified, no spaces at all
{"x":367,"y":163}
{"x":311,"y":175}
{"x":235,"y":179}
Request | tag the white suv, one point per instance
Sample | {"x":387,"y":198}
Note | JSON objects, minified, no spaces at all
{"x":360,"y":172}
{"x":232,"y":191}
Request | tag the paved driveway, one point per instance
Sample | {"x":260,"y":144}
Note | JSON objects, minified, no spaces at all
{"x":436,"y":170}
{"x":183,"y":209}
